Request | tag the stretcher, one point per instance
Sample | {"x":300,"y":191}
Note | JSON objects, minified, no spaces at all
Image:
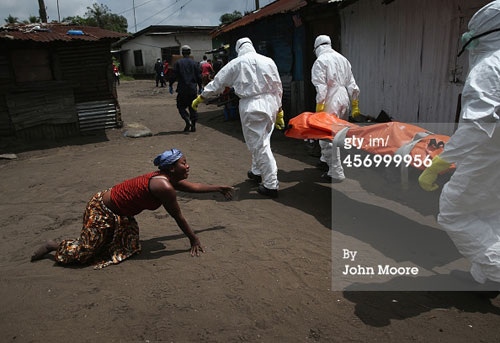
{"x":390,"y":138}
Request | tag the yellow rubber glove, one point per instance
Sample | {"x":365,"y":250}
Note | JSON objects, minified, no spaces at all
{"x":427,"y":179}
{"x":280,"y":122}
{"x":320,"y":107}
{"x":355,"y":108}
{"x":196,"y":102}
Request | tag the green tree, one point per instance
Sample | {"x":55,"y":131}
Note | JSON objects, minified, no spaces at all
{"x":96,"y":13}
{"x":228,"y":18}
{"x":31,"y":20}
{"x":100,"y":15}
{"x":11,"y":20}
{"x":76,"y":20}
{"x":34,"y":19}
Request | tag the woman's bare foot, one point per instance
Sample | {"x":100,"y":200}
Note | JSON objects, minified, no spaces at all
{"x":44,"y":249}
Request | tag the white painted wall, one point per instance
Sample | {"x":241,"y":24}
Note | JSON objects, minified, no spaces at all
{"x":403,"y":56}
{"x":151,"y":45}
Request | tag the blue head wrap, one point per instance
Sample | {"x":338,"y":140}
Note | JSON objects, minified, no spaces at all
{"x":168,"y":158}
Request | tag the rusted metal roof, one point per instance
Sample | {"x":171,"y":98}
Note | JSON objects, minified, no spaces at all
{"x":279,"y":6}
{"x":43,"y":32}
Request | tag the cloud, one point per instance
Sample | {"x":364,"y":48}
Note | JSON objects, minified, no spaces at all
{"x":148,"y":12}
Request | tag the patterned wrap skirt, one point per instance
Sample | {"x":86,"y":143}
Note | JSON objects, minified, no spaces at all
{"x":105,"y":239}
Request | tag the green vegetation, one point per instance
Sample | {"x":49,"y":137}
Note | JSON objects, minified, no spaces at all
{"x":11,"y":20}
{"x":15,"y":20}
{"x":100,"y":15}
{"x":228,"y":18}
{"x":124,"y":77}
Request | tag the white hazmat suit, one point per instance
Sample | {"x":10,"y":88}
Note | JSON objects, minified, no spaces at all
{"x":470,"y":202}
{"x":257,"y":83}
{"x":335,"y":86}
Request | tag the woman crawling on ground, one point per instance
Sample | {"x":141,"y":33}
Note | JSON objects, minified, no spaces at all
{"x":110,"y":233}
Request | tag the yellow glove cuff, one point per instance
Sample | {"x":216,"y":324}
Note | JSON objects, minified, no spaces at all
{"x":439,"y":165}
{"x":427,"y":179}
{"x":197,"y":101}
{"x":355,"y":108}
{"x":320,"y":107}
{"x":280,"y":123}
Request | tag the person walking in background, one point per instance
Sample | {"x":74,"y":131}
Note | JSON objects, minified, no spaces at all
{"x":165,"y":71}
{"x":116,"y":74}
{"x":187,"y":73}
{"x":257,"y":83}
{"x":469,"y":205}
{"x":204,"y":60}
{"x":217,"y":65}
{"x":207,"y":72}
{"x":159,"y":73}
{"x":336,"y":88}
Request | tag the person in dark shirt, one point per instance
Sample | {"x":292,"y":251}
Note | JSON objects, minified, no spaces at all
{"x":187,"y":73}
{"x":217,"y":65}
{"x":159,"y":73}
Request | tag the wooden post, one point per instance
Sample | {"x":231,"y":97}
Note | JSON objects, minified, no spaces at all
{"x":42,"y":11}
{"x":135,"y":22}
{"x":58,"y":13}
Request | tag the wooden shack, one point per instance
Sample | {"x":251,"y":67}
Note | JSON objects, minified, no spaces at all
{"x":56,"y":80}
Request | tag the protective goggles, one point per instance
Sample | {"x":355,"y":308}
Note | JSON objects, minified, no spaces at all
{"x":314,"y":50}
{"x":475,"y":37}
{"x":247,"y":42}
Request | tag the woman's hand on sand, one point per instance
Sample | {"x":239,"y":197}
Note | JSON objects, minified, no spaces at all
{"x":196,"y":247}
{"x":226,"y":191}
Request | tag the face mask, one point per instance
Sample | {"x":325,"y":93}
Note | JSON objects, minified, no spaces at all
{"x":468,"y":37}
{"x":470,"y":40}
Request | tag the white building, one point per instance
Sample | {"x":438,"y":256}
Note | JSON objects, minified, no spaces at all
{"x":139,"y":52}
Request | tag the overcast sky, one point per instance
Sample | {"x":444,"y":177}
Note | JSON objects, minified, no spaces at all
{"x":147,"y":12}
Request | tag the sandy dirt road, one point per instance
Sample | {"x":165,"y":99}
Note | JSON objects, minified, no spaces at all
{"x":266,"y":273}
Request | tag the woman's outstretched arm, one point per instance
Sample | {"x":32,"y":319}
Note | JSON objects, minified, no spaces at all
{"x":191,"y":187}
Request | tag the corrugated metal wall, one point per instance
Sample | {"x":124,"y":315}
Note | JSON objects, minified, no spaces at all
{"x":6,"y":128}
{"x":299,"y":39}
{"x":50,"y":105}
{"x":297,"y":94}
{"x":48,"y":131}
{"x":52,"y":109}
{"x":403,"y":56}
{"x":97,"y":115}
{"x":87,"y":67}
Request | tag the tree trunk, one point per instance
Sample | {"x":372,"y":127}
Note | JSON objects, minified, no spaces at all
{"x":42,"y":11}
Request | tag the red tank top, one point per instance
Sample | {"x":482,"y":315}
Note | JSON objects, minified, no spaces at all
{"x":132,"y":196}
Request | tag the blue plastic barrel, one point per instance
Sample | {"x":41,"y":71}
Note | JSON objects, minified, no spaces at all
{"x":75,"y":32}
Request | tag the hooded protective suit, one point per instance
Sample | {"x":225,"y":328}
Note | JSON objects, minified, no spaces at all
{"x":335,"y":86}
{"x":470,"y":201}
{"x":257,"y":83}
